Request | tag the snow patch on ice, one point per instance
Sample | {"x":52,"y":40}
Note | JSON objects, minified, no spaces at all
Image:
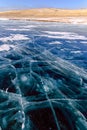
{"x":76,"y":52}
{"x":28,"y":26}
{"x":14,"y":37}
{"x":64,"y":35}
{"x":6,"y":47}
{"x":56,"y":42}
{"x":57,"y":33}
{"x":19,"y":29}
{"x":83,"y":42}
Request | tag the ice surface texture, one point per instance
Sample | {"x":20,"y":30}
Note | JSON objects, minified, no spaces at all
{"x":41,"y":91}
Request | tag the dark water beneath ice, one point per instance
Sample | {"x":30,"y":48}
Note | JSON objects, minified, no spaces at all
{"x":43,"y":76}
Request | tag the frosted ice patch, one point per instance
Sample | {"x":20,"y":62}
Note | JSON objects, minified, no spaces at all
{"x":83,"y":42}
{"x":56,"y":42}
{"x":28,"y":26}
{"x":46,"y":88}
{"x":23,"y":126}
{"x":14,"y":37}
{"x":19,"y":29}
{"x":24,"y":78}
{"x":64,"y":35}
{"x":6,"y":47}
{"x":58,"y":33}
{"x":76,"y":52}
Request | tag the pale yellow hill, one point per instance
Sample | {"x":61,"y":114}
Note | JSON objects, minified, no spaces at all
{"x":45,"y":12}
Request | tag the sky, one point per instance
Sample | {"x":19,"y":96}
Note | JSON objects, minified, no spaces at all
{"x":24,"y":4}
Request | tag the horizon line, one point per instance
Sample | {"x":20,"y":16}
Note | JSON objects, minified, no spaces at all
{"x":27,"y":8}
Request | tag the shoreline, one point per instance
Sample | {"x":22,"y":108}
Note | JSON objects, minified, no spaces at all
{"x":71,"y":20}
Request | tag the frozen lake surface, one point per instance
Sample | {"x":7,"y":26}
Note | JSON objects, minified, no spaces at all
{"x":43,"y":76}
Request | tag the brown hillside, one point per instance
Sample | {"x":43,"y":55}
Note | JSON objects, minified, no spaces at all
{"x":44,"y":13}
